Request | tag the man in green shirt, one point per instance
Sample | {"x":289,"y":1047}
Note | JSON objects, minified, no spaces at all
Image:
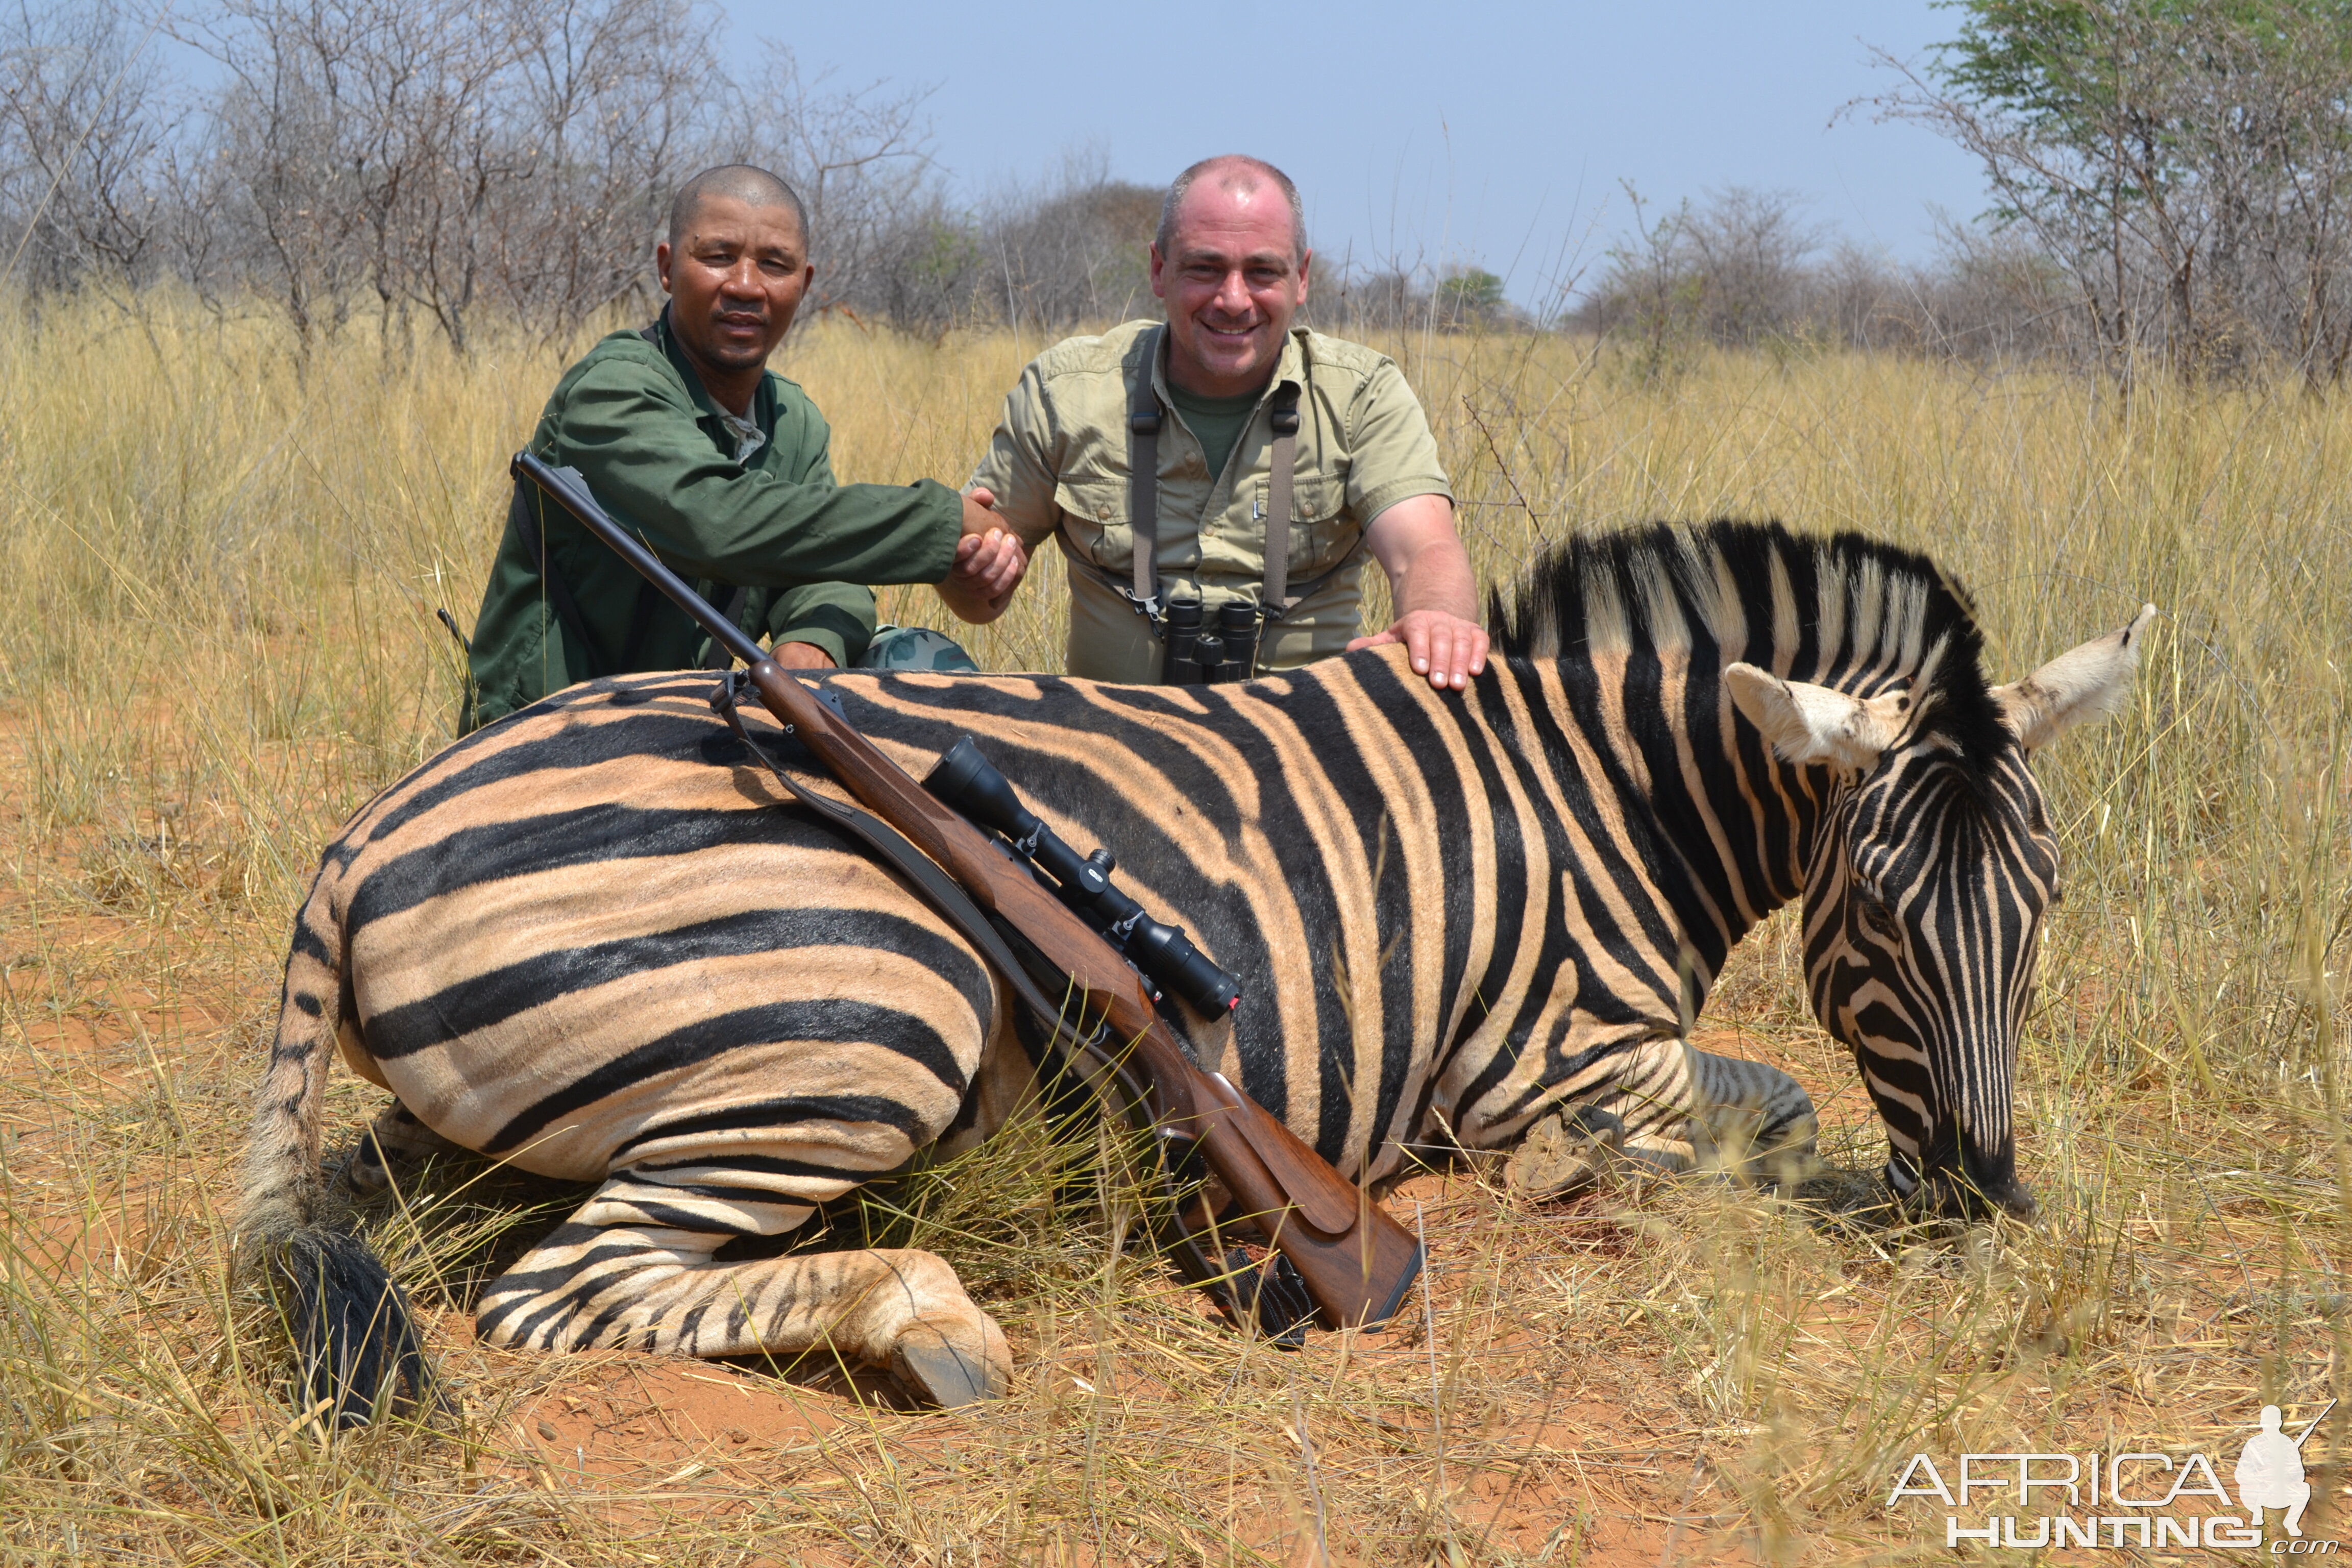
{"x":1194,"y":434}
{"x":723,"y":468}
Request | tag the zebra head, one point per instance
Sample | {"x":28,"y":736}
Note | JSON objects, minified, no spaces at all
{"x":1923,"y":896}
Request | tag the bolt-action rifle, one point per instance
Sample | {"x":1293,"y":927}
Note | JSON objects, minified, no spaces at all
{"x":1354,"y":1260}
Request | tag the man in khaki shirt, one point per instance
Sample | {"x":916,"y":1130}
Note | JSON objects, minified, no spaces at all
{"x":1231,"y":263}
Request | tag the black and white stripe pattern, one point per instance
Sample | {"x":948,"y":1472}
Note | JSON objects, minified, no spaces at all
{"x":591,"y":940}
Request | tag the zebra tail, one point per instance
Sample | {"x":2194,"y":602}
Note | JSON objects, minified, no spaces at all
{"x":358,"y":1353}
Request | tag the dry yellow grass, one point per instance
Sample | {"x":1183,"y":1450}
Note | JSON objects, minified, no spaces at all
{"x":219,"y":577}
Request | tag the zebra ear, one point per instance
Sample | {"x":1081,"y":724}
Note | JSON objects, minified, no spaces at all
{"x":1806,"y":723}
{"x":2080,"y":685}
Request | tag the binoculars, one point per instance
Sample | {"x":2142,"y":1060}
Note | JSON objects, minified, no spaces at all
{"x":1163,"y":953}
{"x":1210,"y":653}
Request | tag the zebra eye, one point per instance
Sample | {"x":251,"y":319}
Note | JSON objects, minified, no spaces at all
{"x":1877,"y":914}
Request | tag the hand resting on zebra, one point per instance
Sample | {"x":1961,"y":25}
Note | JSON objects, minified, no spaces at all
{"x":592,"y":940}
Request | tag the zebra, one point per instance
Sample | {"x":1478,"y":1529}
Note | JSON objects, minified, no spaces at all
{"x":596,"y":940}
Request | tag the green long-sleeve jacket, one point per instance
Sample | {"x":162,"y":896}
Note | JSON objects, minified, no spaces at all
{"x":633,"y":418}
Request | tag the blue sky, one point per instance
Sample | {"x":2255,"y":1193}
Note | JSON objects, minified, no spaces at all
{"x":1460,"y":131}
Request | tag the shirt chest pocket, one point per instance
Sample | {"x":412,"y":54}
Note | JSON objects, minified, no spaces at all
{"x":1095,"y":520}
{"x":1322,"y":533}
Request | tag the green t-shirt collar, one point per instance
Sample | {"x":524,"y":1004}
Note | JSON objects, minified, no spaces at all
{"x":1219,"y":423}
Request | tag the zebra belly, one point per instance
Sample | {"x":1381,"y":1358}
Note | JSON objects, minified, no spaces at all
{"x":806,"y":1094}
{"x":708,"y":979}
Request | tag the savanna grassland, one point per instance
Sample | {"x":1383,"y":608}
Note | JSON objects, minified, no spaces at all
{"x":220,"y":567}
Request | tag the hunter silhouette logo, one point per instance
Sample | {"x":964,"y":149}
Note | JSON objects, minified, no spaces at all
{"x":2115,"y":1501}
{"x":2270,"y":1472}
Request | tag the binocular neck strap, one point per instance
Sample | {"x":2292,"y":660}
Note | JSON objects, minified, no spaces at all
{"x":1283,"y":471}
{"x":1143,"y":481}
{"x":1143,"y":416}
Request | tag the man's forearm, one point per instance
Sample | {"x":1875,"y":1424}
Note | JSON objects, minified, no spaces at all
{"x":1415,"y":544}
{"x":1435,"y":590}
{"x":763,"y":531}
{"x":1436,"y":577}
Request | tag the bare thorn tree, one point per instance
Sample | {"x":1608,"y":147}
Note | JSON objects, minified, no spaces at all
{"x":85,"y":126}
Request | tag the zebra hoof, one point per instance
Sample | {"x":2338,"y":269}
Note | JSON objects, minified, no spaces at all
{"x":366,"y":1172}
{"x":1566,"y":1152}
{"x":952,"y":1361}
{"x":395,"y":1143}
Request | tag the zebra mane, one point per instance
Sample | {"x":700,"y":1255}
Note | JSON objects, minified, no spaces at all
{"x":1860,"y":614}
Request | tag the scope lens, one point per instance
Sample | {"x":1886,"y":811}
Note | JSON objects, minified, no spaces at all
{"x":969,"y":782}
{"x":955,"y":770}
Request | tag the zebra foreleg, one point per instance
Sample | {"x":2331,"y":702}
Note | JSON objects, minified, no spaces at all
{"x":1671,"y":1108}
{"x":1749,"y":1117}
{"x":602,"y":1282}
{"x":1686,"y":1108}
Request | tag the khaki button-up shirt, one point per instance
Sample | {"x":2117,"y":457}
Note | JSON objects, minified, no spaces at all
{"x":1059,"y":466}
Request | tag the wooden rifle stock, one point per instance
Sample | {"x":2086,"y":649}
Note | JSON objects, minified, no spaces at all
{"x":1356,"y":1261}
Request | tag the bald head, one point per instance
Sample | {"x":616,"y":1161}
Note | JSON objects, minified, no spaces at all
{"x":1242,"y":178}
{"x":754,"y":187}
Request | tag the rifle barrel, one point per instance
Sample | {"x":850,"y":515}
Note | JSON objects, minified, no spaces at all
{"x":565,"y":490}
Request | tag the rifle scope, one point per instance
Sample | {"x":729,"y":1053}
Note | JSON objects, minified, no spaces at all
{"x":970,"y":782}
